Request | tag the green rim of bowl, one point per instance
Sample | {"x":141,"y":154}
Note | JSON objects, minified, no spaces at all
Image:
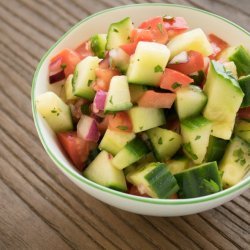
{"x":82,"y":179}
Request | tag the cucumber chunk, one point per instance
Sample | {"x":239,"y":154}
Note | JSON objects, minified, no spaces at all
{"x":54,"y":111}
{"x":191,"y":96}
{"x":178,"y":164}
{"x":84,"y":75}
{"x":235,"y":163}
{"x":240,"y":56}
{"x":224,"y":99}
{"x":118,"y":97}
{"x":216,"y":149}
{"x":146,"y":118}
{"x":119,"y":33}
{"x":104,"y":173}
{"x":132,"y":152}
{"x":114,"y":141}
{"x":165,"y":143}
{"x":98,"y":44}
{"x":195,"y":134}
{"x":154,"y":179}
{"x":199,"y":181}
{"x":242,"y":129}
{"x":190,"y":40}
{"x":69,"y":89}
{"x":245,"y":86}
{"x":148,"y":63}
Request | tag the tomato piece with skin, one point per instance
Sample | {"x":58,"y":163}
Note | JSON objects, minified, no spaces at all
{"x":195,"y":63}
{"x":244,"y":113}
{"x":68,"y":60}
{"x":104,"y":77}
{"x":175,"y":26}
{"x":157,"y":27}
{"x":76,"y":148}
{"x":173,"y":80}
{"x":152,"y":99}
{"x":218,"y":45}
{"x":129,"y":48}
{"x":133,"y":190}
{"x":84,"y":50}
{"x":120,"y":121}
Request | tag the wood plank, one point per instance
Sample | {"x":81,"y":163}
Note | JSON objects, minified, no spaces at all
{"x":33,"y":235}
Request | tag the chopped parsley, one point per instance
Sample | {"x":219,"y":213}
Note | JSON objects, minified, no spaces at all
{"x":141,"y":127}
{"x":75,"y":76}
{"x":54,"y":111}
{"x":122,"y":127}
{"x":239,"y":154}
{"x":197,"y":137}
{"x":160,"y":140}
{"x":85,"y":109}
{"x":110,"y":100}
{"x":115,"y":30}
{"x":138,"y":60}
{"x":89,"y":82}
{"x":159,"y":26}
{"x":187,"y":147}
{"x":158,"y":68}
{"x":176,"y":85}
{"x":63,"y":66}
{"x":171,"y":139}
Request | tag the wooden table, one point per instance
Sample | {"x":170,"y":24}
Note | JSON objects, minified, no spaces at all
{"x":39,"y":207}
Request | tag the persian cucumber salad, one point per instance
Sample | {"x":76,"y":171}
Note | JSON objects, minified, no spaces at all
{"x":159,"y":110}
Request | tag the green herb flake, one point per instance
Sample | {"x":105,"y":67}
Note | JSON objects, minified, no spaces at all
{"x":159,"y":26}
{"x":158,"y":68}
{"x":171,"y":139}
{"x":53,"y":111}
{"x":122,"y":127}
{"x":89,"y":82}
{"x":187,"y":147}
{"x":160,"y":141}
{"x":63,"y":66}
{"x":138,"y":60}
{"x":141,"y":127}
{"x":110,"y":99}
{"x":75,"y":76}
{"x":85,"y":109}
{"x":197,"y":137}
{"x":210,"y":186}
{"x":176,"y":85}
{"x":115,"y":30}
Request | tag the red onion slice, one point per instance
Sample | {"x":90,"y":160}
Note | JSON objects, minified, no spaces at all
{"x":87,"y":129}
{"x":57,"y":77}
{"x":99,"y":101}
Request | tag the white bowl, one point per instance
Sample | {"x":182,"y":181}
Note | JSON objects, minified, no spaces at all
{"x":99,"y":23}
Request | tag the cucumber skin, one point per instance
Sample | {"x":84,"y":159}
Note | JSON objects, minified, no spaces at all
{"x":245,"y":86}
{"x":98,"y":44}
{"x":160,"y":179}
{"x":137,"y":147}
{"x":241,"y":58}
{"x":191,"y":180}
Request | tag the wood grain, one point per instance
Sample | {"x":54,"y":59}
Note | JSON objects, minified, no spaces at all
{"x":39,"y":207}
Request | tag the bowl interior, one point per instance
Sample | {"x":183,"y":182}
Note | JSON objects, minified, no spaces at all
{"x":99,"y":23}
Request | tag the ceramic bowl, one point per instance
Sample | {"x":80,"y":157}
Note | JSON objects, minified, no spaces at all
{"x":99,"y":23}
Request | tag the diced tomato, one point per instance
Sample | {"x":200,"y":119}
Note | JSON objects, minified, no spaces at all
{"x":84,"y":50}
{"x":138,"y":35}
{"x":173,"y":80}
{"x":244,"y":113}
{"x":104,"y":64}
{"x":68,"y":60}
{"x":120,"y":121}
{"x":104,"y":77}
{"x":129,"y":48}
{"x":156,"y":26}
{"x":175,"y":26}
{"x":134,"y":191}
{"x":152,"y":99}
{"x":194,"y":64}
{"x":218,"y":45}
{"x":173,"y":196}
{"x":76,"y":148}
